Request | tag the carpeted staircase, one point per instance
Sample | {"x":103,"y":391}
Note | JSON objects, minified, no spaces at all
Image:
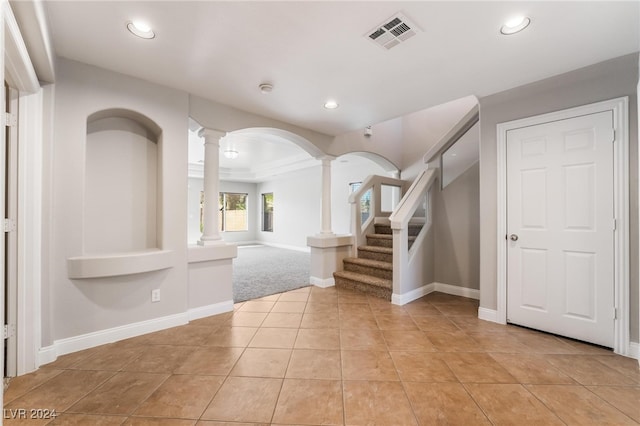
{"x":372,"y":271}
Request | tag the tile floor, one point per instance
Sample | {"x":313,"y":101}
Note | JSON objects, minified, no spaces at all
{"x":323,"y":356}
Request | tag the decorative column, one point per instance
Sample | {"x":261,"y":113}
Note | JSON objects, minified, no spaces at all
{"x":326,"y":195}
{"x":210,"y":234}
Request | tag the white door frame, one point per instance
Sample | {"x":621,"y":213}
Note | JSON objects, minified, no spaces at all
{"x":620,"y":108}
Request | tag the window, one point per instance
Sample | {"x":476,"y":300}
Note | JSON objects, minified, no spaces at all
{"x":232,"y":213}
{"x":365,"y":201}
{"x":267,"y":212}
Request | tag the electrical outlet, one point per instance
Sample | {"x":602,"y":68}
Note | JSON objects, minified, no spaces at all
{"x":155,"y":295}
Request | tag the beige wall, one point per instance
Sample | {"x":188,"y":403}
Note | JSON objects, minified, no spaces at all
{"x":611,"y":79}
{"x":456,"y":223}
{"x":83,"y":306}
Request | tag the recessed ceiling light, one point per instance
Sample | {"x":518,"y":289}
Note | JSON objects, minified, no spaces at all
{"x":140,"y":29}
{"x":231,"y":154}
{"x":331,"y":104}
{"x":515,"y":25}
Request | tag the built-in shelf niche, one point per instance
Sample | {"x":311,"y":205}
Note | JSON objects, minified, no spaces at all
{"x":121,"y":199}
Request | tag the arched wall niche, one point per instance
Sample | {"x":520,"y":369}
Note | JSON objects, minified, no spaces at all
{"x":122,"y":183}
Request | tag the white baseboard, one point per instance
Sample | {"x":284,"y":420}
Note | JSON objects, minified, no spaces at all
{"x":102,"y":337}
{"x":488,"y":314}
{"x":209,"y":310}
{"x":323,"y":283}
{"x":410,"y":296}
{"x":455,"y":290}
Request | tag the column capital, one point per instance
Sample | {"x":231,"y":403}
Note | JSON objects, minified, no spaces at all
{"x":211,"y":135}
{"x":325,"y":158}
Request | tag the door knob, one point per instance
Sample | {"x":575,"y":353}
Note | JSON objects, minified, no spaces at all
{"x":513,"y":237}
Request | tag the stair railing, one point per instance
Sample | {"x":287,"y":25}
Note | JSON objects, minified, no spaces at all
{"x":415,"y":207}
{"x":367,"y":205}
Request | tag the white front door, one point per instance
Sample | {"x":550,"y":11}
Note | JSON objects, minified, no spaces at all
{"x":560,"y":227}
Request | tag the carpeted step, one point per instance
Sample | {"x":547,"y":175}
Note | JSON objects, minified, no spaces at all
{"x":363,"y":283}
{"x":380,"y":240}
{"x":374,"y":268}
{"x":384,"y":254}
{"x":414,"y":229}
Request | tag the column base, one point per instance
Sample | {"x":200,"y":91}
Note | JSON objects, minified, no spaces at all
{"x":206,"y":243}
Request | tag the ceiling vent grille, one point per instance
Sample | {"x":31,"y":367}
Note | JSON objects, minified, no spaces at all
{"x":393,"y":31}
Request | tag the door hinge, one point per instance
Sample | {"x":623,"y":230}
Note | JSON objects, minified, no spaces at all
{"x":615,"y":313}
{"x":8,"y":225}
{"x":9,"y":330}
{"x":615,"y":224}
{"x":10,"y":120}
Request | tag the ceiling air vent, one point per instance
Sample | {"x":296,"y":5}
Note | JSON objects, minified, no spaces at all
{"x":393,"y":31}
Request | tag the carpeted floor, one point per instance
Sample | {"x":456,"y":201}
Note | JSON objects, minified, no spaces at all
{"x":260,"y":271}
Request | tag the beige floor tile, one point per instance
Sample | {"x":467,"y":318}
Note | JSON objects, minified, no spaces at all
{"x":160,"y":359}
{"x":368,"y":365}
{"x":121,"y":394}
{"x":310,"y":402}
{"x":477,"y":368}
{"x":66,"y":361}
{"x":622,"y":364}
{"x":587,"y":370}
{"x":379,"y":403}
{"x":365,"y":339}
{"x":210,"y":360}
{"x":435,"y":323}
{"x":473,"y":324}
{"x":294,"y":296}
{"x":260,"y":362}
{"x":321,"y":308}
{"x":532,"y":369}
{"x":274,"y":338}
{"x":498,"y":343}
{"x":181,"y":396}
{"x":422,"y":367}
{"x":291,"y":307}
{"x":352,"y":297}
{"x":383,"y":307}
{"x":407,"y":341}
{"x":624,"y":398}
{"x":23,"y":384}
{"x":269,"y":298}
{"x":452,"y":341}
{"x":151,"y":421}
{"x":394,"y":322}
{"x":358,"y":320}
{"x":314,"y":364}
{"x":214,"y":320}
{"x":244,"y":399}
{"x":246,"y":319}
{"x":318,"y":338}
{"x":87,"y":419}
{"x":444,"y":404}
{"x":542,"y":343}
{"x":282,"y":320}
{"x":112,"y":358}
{"x":437,"y":297}
{"x":319,"y":320}
{"x":330,"y":297}
{"x":256,"y":306}
{"x":421,"y":308}
{"x":511,"y":405}
{"x":186,"y":335}
{"x":354,"y":308}
{"x":61,"y":391}
{"x":576,"y":405}
{"x":455,"y":309}
{"x":229,"y":337}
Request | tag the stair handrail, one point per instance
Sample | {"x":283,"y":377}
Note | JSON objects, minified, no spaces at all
{"x":375,"y":183}
{"x":409,"y":203}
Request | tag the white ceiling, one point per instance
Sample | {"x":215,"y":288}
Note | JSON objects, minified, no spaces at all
{"x":312,"y":51}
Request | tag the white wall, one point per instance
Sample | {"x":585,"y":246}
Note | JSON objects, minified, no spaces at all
{"x":347,"y":169}
{"x":296,"y":208}
{"x":89,"y":305}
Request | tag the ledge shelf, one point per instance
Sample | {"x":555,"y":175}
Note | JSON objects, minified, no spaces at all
{"x":116,"y":264}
